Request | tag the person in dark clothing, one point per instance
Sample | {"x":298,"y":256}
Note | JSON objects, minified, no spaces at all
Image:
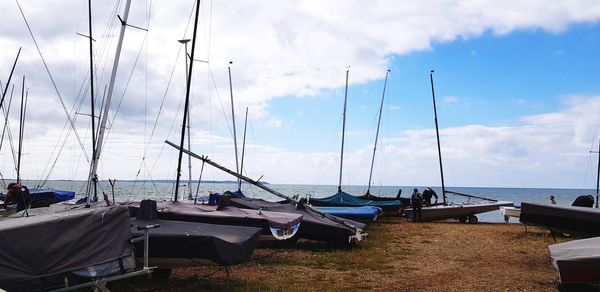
{"x":417,"y":204}
{"x":427,"y":194}
{"x":17,"y":194}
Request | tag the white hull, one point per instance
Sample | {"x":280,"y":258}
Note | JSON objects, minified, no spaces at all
{"x":511,"y":212}
{"x":456,"y":211}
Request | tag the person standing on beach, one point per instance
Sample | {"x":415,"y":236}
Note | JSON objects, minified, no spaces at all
{"x":417,"y":204}
{"x":552,"y":201}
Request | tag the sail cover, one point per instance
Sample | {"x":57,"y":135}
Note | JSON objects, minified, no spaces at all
{"x":54,"y":243}
{"x":577,"y":261}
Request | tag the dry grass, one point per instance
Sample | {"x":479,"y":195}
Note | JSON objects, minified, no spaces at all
{"x":398,"y":256}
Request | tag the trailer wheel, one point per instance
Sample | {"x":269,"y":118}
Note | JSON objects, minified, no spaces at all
{"x":473,"y":219}
{"x":462,"y":219}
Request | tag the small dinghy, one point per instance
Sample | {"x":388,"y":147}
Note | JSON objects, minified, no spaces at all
{"x":363,"y":213}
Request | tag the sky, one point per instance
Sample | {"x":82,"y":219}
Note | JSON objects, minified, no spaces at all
{"x":517,"y":87}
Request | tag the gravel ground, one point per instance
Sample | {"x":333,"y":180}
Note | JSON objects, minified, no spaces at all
{"x":397,"y":256}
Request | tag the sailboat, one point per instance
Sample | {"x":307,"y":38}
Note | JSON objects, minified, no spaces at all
{"x":343,"y":199}
{"x":447,"y":210}
{"x":575,"y":219}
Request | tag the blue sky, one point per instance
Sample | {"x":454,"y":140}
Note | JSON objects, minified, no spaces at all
{"x":517,"y":87}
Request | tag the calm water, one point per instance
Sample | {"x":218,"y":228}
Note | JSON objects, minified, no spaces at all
{"x":128,"y":190}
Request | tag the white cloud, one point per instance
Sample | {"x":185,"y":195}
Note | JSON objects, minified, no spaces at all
{"x":279,"y":48}
{"x":451,"y":99}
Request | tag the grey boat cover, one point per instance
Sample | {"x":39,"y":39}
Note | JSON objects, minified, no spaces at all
{"x":228,"y":215}
{"x":581,"y":220}
{"x":221,"y":244}
{"x":54,"y":243}
{"x":577,"y":261}
{"x":314,"y":226}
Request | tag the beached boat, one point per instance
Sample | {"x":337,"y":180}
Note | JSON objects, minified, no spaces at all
{"x":343,"y":199}
{"x":363,"y":213}
{"x":279,"y":225}
{"x":314,"y":225}
{"x":464,"y":211}
{"x":568,"y":219}
{"x":31,"y":253}
{"x":194,"y":242}
{"x":510,"y":211}
{"x":577,"y":261}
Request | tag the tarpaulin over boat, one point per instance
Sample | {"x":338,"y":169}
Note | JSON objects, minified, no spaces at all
{"x":46,"y":197}
{"x":577,"y":261}
{"x":54,"y":243}
{"x":362,"y":213}
{"x":568,"y":219}
{"x":227,"y":215}
{"x":221,"y":244}
{"x":346,"y":200}
{"x":314,"y":226}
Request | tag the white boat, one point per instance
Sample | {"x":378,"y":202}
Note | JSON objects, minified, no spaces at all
{"x":446,"y":210}
{"x":461,"y":212}
{"x":510,"y":211}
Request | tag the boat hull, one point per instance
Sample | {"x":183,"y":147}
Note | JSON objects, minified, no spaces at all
{"x":458,"y":211}
{"x":580,"y":220}
{"x":577,"y":261}
{"x":363,"y":214}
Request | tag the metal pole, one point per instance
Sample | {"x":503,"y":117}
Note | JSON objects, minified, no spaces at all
{"x":343,"y":132}
{"x":92,"y":180}
{"x":111,"y":85}
{"x":9,"y":77}
{"x":598,"y":175}
{"x":437,"y":134}
{"x":377,"y":133}
{"x":21,"y":117}
{"x":189,"y":135}
{"x":237,"y":167}
{"x":243,"y":151}
{"x":187,"y":102}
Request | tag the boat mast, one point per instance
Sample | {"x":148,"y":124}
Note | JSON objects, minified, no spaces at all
{"x":243,"y":150}
{"x":92,"y":180}
{"x":189,"y":135}
{"x":237,"y":167}
{"x":187,"y":101}
{"x":343,"y":131}
{"x":9,"y":77}
{"x":598,"y":175}
{"x":437,"y":134}
{"x":111,"y":85}
{"x":21,"y":124}
{"x":377,"y":132}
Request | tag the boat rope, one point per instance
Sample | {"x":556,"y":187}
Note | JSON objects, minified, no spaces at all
{"x":54,"y":83}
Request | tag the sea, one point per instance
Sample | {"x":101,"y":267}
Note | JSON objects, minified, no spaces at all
{"x":164,"y":190}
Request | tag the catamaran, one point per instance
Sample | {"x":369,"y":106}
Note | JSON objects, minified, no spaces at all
{"x":447,"y":210}
{"x":343,"y":199}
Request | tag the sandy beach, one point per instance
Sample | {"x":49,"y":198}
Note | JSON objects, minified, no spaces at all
{"x":398,"y":255}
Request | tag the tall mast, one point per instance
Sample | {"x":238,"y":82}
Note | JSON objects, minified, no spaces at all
{"x":111,"y":85}
{"x":21,"y":118}
{"x":437,"y":134}
{"x":237,"y":167}
{"x":243,"y":150}
{"x":92,"y":180}
{"x":343,"y":132}
{"x":187,"y":101}
{"x":377,"y":133}
{"x":189,"y":135}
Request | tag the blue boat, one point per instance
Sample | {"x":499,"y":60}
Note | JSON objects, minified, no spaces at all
{"x":47,"y":197}
{"x":343,"y":199}
{"x":364,"y":213}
